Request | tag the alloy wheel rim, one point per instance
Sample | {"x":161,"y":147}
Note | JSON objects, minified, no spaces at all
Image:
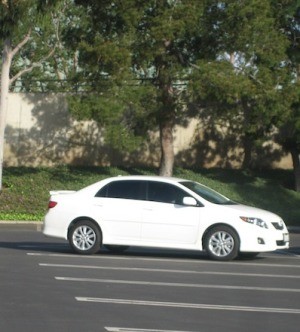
{"x":221,"y":244}
{"x":84,"y":237}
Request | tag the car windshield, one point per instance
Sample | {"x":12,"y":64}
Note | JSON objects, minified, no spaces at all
{"x":207,"y":193}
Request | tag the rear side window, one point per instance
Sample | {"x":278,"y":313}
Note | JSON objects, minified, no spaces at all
{"x":165,"y":193}
{"x":126,"y":189}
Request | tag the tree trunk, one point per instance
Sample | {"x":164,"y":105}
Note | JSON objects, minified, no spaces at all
{"x":248,"y":146}
{"x":296,"y":164}
{"x":166,"y":120}
{"x":6,"y":63}
{"x":167,"y":148}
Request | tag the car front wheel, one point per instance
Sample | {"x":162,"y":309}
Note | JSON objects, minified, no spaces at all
{"x":222,"y":243}
{"x":85,"y":238}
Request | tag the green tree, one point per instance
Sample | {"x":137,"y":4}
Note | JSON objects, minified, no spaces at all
{"x":148,"y":45}
{"x":29,"y":31}
{"x":245,"y":79}
{"x":289,"y":122}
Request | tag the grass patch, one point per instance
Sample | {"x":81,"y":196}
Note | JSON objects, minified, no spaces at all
{"x":25,"y":191}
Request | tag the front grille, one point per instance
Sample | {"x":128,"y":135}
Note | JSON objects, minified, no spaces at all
{"x":278,"y":225}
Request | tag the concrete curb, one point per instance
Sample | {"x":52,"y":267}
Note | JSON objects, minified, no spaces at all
{"x":20,"y":222}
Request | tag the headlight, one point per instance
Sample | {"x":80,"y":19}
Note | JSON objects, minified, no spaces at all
{"x":255,"y":221}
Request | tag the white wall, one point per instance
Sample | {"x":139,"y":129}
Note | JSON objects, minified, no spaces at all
{"x":41,"y":132}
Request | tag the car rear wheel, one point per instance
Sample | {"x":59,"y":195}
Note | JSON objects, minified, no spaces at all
{"x":222,"y":243}
{"x":85,"y":238}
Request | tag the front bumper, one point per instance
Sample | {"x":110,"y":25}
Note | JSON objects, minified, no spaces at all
{"x":265,"y":241}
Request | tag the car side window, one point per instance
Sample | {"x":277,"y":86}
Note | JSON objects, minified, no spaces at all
{"x":126,"y":189}
{"x":165,"y":193}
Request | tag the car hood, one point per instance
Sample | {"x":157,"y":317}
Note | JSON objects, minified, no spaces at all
{"x":249,"y":211}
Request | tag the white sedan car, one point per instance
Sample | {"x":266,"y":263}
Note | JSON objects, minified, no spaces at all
{"x":161,"y":212}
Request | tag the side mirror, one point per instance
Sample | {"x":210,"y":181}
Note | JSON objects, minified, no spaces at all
{"x":191,"y":201}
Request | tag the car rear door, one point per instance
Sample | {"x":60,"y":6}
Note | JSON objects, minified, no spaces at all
{"x":119,"y":207}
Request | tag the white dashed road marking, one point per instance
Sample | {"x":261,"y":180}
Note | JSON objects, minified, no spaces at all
{"x":188,"y":305}
{"x":176,"y":284}
{"x":124,"y":329}
{"x":135,"y":269}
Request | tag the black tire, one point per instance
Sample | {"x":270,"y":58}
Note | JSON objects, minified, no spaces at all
{"x":222,"y":243}
{"x":115,"y":248}
{"x":85,"y":237}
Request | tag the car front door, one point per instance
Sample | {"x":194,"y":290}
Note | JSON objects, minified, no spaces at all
{"x":166,"y":220}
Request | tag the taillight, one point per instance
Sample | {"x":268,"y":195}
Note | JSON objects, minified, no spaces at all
{"x":51,"y":204}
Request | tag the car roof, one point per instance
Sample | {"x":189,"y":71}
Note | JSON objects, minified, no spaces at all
{"x":105,"y":181}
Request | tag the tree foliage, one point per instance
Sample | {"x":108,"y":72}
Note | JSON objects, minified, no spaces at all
{"x":246,"y":77}
{"x":141,"y":65}
{"x":230,"y":54}
{"x":289,"y":124}
{"x":28,"y":31}
{"x":145,"y":45}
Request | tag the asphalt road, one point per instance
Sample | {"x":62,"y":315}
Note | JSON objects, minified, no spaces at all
{"x":45,"y":287}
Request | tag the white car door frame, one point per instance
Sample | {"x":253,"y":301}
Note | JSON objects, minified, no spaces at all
{"x":170,"y":224}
